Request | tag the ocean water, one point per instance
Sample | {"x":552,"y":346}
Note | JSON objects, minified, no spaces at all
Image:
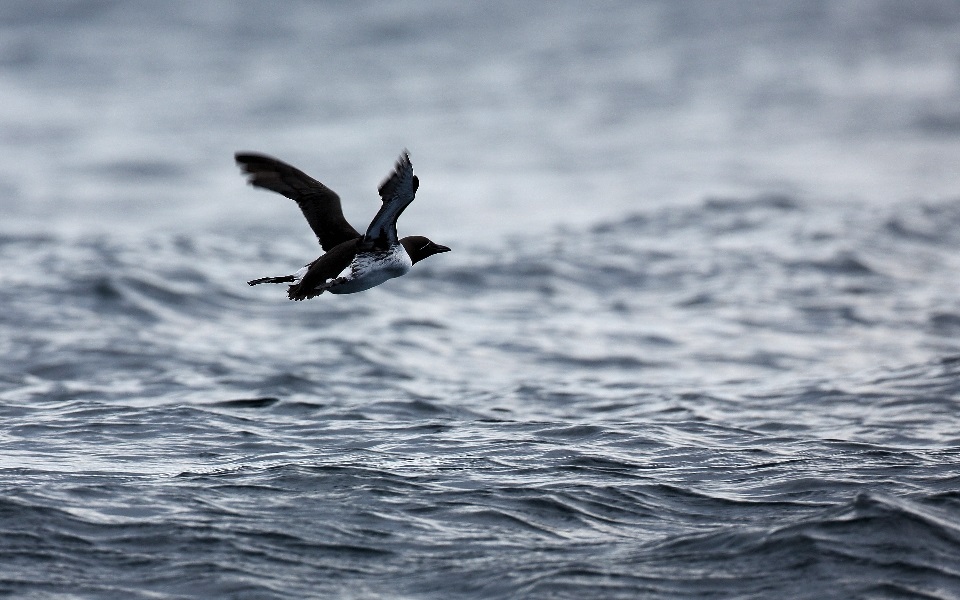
{"x":698,"y":336}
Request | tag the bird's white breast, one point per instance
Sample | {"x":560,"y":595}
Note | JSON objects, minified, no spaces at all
{"x":370,"y":269}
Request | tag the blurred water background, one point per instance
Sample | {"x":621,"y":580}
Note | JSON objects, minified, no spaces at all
{"x":697,"y":337}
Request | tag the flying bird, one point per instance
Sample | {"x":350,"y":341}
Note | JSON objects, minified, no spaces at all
{"x":351,"y":262}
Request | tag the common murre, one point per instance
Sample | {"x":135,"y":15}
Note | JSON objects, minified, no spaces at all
{"x":351,"y":262}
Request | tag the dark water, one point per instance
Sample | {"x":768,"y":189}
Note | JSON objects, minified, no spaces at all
{"x":699,"y":336}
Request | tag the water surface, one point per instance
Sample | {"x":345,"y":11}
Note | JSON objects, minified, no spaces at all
{"x":697,"y":337}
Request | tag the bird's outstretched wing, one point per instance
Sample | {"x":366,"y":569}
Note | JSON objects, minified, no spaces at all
{"x":397,"y":192}
{"x":319,"y":204}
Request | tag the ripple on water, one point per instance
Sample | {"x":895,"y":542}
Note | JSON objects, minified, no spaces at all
{"x":676,"y":405}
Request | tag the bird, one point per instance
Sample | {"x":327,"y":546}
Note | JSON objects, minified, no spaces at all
{"x":351,"y":262}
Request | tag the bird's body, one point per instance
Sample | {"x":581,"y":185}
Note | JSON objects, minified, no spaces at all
{"x":352,"y":262}
{"x":370,"y":269}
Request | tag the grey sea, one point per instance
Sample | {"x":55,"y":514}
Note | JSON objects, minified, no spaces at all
{"x":698,"y":335}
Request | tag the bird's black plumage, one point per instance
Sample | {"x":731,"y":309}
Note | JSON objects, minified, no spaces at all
{"x":372,"y":258}
{"x":319,"y":204}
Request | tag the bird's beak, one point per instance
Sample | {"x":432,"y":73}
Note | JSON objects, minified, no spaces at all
{"x":437,"y":248}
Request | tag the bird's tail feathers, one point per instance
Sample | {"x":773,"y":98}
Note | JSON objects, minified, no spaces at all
{"x":284,"y":279}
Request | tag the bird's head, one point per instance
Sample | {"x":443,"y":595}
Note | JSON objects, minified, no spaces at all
{"x":419,"y":247}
